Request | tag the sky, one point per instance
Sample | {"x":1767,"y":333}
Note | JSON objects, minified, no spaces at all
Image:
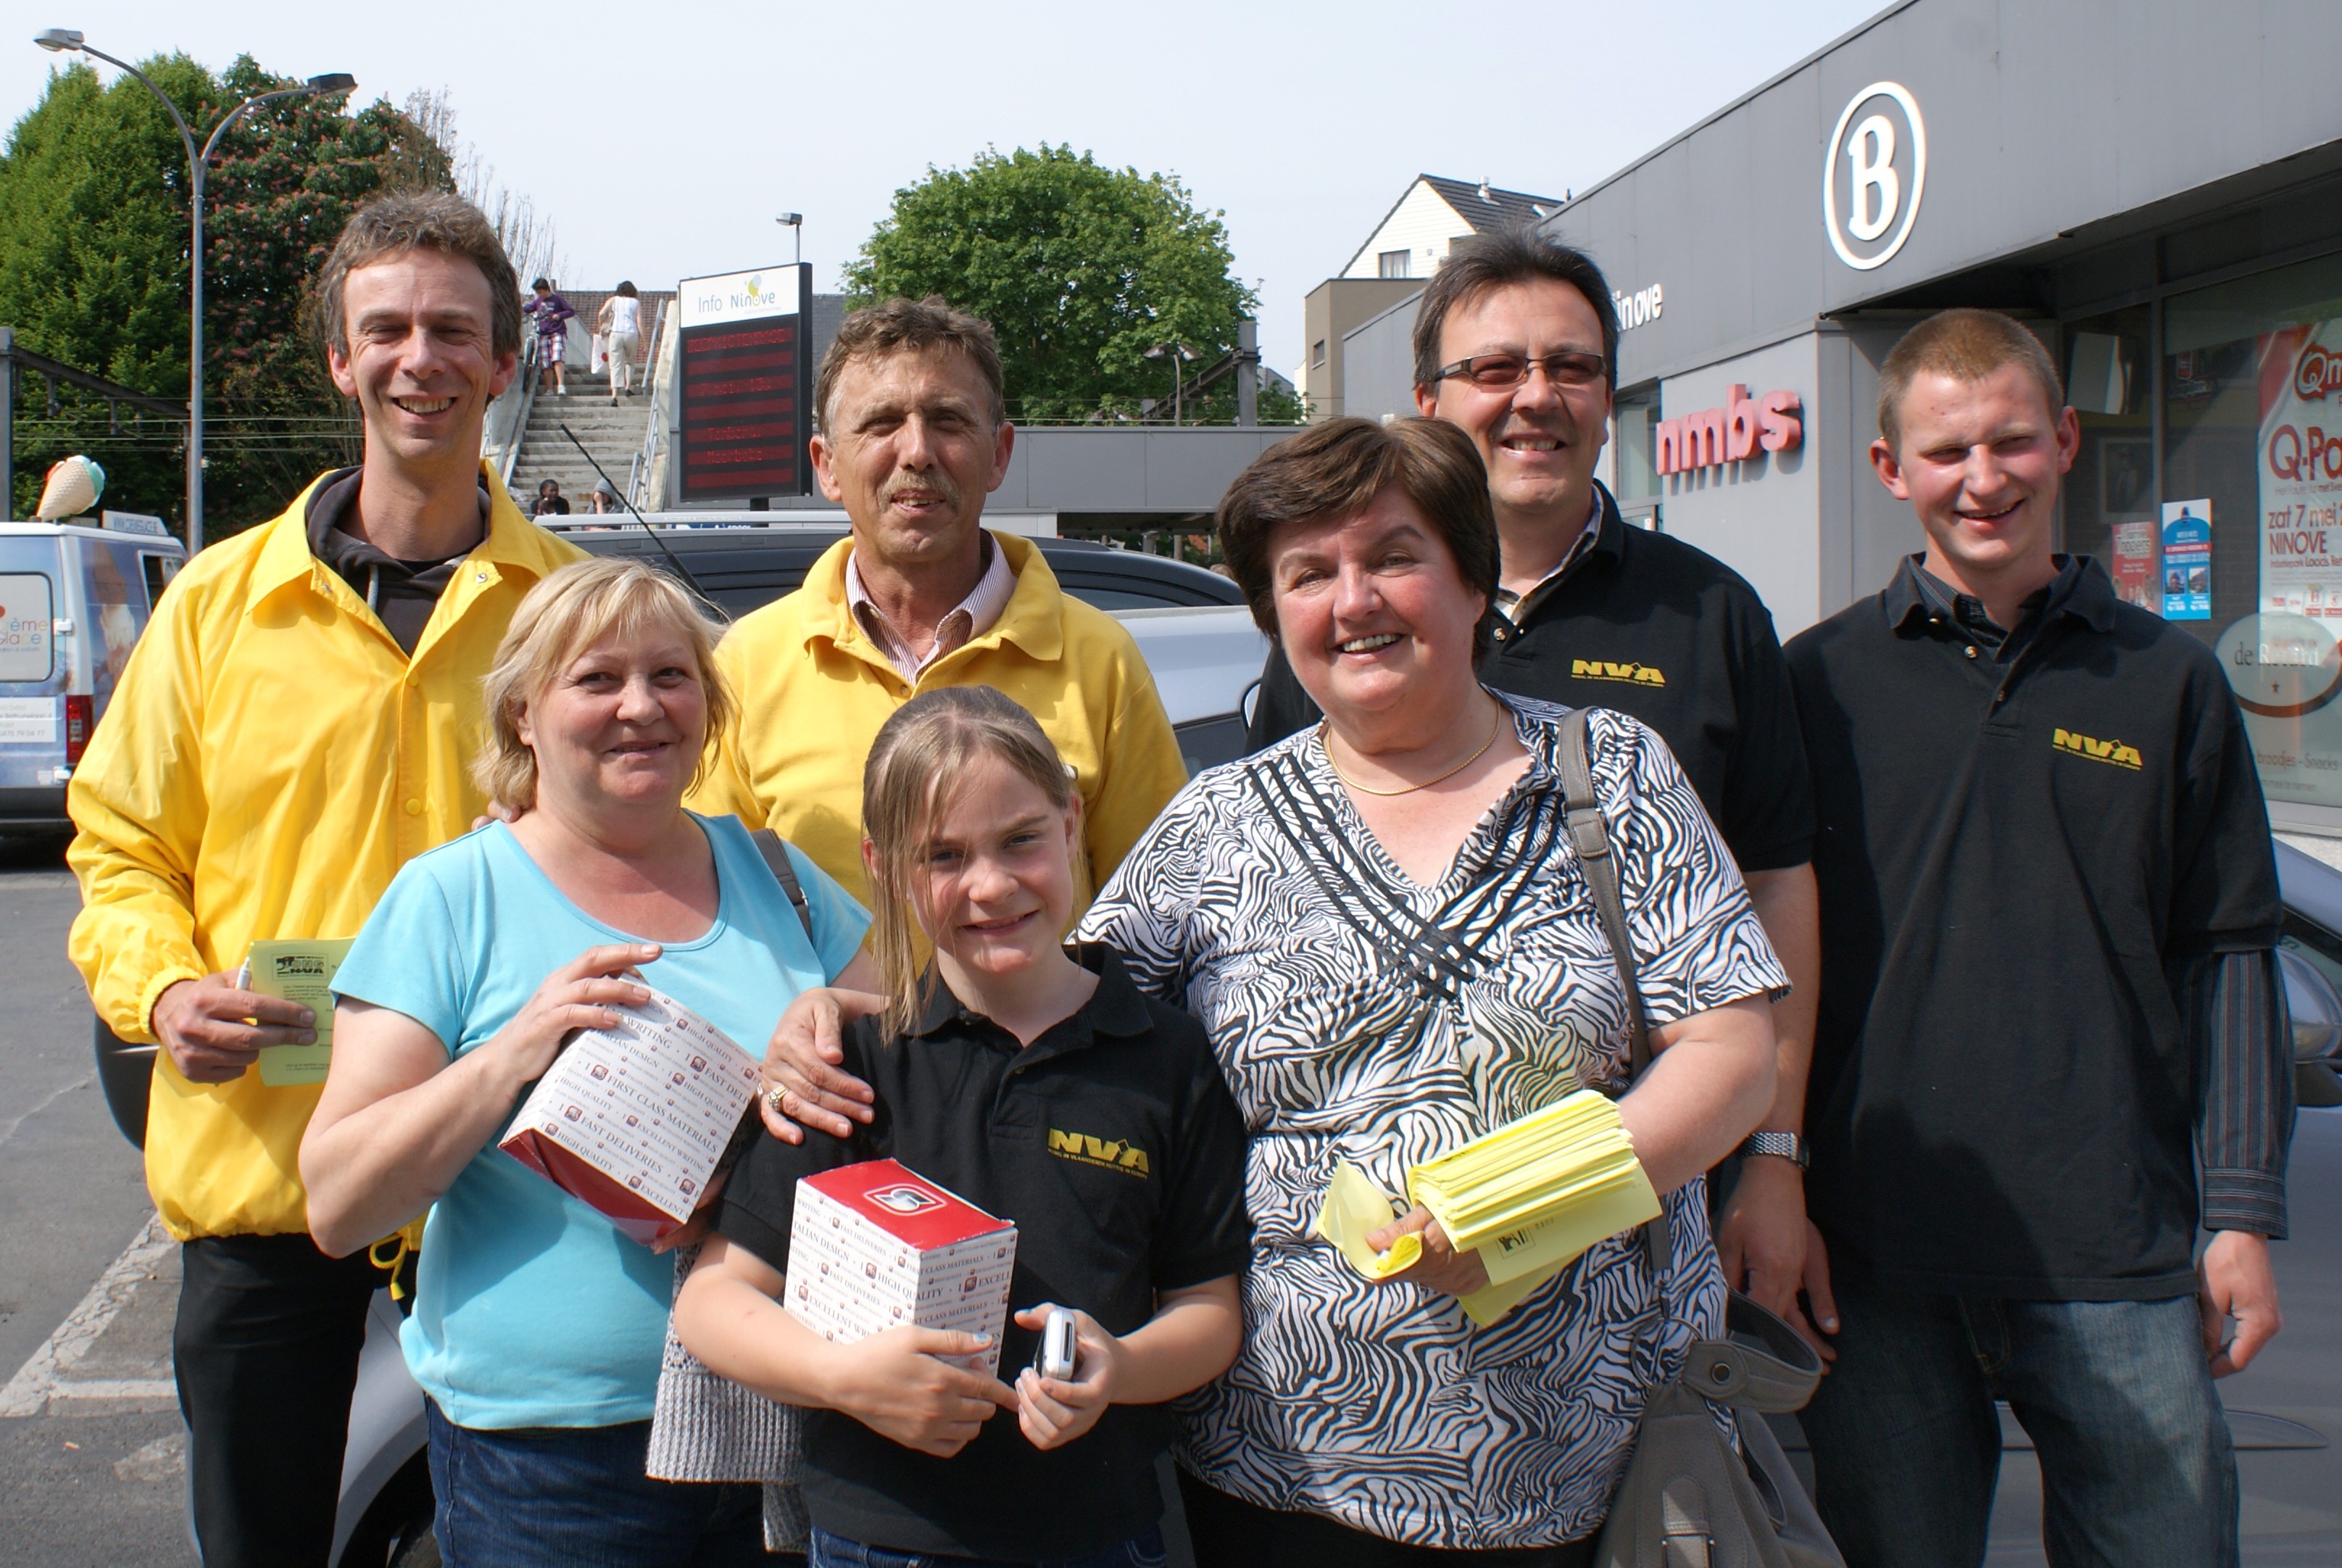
{"x":661,"y":143}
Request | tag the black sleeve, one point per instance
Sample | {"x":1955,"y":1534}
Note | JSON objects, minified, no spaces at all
{"x":1767,"y":820}
{"x":1284,"y":708}
{"x":1204,"y":1233}
{"x":760,"y":1201}
{"x":2224,"y":891}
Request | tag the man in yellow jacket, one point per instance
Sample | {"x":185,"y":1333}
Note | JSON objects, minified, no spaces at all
{"x":913,"y":436}
{"x":294,"y":726}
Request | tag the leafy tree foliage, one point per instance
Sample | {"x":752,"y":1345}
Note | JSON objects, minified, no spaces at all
{"x":94,"y":235}
{"x":1080,"y":268}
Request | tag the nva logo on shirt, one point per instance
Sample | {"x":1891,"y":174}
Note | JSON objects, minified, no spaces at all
{"x":1118,"y":1154}
{"x":2097,"y":751}
{"x":1603,"y":670}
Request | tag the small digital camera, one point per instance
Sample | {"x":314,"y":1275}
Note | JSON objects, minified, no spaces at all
{"x":1059,"y":1350}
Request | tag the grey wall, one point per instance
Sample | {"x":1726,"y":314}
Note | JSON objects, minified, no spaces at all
{"x":1058,"y":468}
{"x":1378,"y":363}
{"x":2043,"y":118}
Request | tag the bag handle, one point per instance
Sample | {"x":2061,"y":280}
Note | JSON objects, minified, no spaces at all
{"x":776,"y":857}
{"x":1589,"y":833}
{"x":1782,"y":1374}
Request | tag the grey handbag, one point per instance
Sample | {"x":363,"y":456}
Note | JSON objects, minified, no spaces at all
{"x":703,"y":1427}
{"x":1688,"y":1500}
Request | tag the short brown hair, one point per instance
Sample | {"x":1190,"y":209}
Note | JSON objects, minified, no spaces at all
{"x":1486,"y":263}
{"x":570,"y":610}
{"x":1967,"y":345}
{"x":918,"y":766}
{"x":413,"y":221}
{"x":1336,"y":468}
{"x":909,"y":327}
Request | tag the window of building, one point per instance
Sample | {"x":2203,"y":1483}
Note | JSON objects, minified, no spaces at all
{"x":1393,"y":263}
{"x":1634,"y":419}
{"x":1317,"y":354}
{"x":2209,"y":485}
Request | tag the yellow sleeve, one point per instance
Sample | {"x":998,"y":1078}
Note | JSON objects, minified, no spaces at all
{"x":723,"y":788}
{"x":1143,"y":767}
{"x":138,"y":805}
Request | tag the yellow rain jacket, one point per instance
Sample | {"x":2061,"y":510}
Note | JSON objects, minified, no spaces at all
{"x":270,"y":760}
{"x":813,"y":690}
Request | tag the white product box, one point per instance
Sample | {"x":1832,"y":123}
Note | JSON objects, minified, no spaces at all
{"x":633,"y":1120}
{"x":875,"y":1247}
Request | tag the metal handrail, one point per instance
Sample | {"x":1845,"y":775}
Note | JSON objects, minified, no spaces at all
{"x":518,"y":435}
{"x":655,"y":431}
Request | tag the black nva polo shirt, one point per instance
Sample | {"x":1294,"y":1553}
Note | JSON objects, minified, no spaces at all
{"x":1113,"y":1142}
{"x":1648,"y":626}
{"x":2013,"y":859}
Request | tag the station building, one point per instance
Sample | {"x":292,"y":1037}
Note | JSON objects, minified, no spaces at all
{"x":2155,"y":186}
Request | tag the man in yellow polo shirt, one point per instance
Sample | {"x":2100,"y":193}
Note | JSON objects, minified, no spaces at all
{"x":296,"y":726}
{"x":913,"y":436}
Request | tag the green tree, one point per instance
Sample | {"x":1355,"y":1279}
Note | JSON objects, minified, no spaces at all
{"x":1079,"y":268}
{"x":94,"y":220}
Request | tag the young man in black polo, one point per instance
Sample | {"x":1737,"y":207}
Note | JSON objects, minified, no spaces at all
{"x":2048,"y":906}
{"x":1517,"y":341}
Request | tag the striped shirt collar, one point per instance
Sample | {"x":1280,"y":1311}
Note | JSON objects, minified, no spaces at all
{"x":968,"y":620}
{"x":1513,"y":606}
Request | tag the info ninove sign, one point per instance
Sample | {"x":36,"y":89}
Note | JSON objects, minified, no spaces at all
{"x":745,"y":377}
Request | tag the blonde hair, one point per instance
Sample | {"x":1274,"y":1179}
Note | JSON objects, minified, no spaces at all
{"x":1965,"y":346}
{"x":918,"y":770}
{"x":567,"y":611}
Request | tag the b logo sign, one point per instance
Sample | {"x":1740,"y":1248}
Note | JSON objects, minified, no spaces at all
{"x":1873,"y":174}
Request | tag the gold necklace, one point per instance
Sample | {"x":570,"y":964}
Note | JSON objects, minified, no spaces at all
{"x":1324,"y":740}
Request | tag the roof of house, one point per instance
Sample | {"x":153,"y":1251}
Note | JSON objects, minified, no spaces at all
{"x":1493,"y":210}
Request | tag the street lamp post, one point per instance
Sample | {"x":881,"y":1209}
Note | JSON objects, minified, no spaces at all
{"x":1178,"y":353}
{"x":66,"y":40}
{"x":794,"y":224}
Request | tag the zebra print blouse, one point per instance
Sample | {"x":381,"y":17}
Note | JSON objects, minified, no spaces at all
{"x":1358,"y":1015}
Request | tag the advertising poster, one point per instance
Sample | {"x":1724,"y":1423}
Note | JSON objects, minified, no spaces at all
{"x":2133,"y":565}
{"x":2282,"y":661}
{"x":2188,"y":560}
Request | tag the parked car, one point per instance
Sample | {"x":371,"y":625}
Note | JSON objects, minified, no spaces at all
{"x":73,"y":600}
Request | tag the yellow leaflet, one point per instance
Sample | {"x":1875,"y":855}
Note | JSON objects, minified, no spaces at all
{"x":302,"y":972}
{"x":1354,"y":1207}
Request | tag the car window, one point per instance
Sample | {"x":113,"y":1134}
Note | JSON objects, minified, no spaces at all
{"x":1209,"y":743}
{"x":158,"y":571}
{"x":27,"y":626}
{"x":2320,"y":946}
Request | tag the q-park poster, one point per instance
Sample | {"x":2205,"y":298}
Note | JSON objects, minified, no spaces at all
{"x":2188,"y":560}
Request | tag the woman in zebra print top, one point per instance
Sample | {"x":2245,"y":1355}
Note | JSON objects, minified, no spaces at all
{"x":1387,"y":933}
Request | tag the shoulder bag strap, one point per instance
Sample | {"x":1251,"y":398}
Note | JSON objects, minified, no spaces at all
{"x":776,"y":857}
{"x":1765,"y":1365}
{"x":1590,"y":835}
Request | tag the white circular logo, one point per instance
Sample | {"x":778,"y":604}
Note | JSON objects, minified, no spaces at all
{"x":1873,"y":174}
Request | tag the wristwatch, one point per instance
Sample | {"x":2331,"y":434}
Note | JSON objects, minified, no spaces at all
{"x":1785,"y":1145}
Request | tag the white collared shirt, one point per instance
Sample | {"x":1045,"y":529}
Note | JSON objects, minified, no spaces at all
{"x":969,"y":619}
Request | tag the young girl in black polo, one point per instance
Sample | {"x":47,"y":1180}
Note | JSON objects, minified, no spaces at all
{"x":1040,"y":1085}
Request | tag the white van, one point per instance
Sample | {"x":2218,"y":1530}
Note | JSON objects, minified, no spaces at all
{"x":73,"y":601}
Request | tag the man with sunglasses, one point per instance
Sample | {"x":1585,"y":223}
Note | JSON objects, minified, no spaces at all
{"x":1517,"y":341}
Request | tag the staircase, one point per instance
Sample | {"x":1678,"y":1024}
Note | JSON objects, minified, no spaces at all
{"x":614,"y":435}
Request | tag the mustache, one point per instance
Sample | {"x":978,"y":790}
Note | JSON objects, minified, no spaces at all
{"x":938,"y":483}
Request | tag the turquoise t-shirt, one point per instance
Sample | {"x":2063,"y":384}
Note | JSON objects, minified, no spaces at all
{"x":530,"y":1308}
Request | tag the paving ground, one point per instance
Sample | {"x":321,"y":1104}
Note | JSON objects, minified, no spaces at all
{"x":92,"y":1458}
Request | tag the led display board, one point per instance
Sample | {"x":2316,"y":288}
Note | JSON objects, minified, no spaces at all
{"x":747,"y":382}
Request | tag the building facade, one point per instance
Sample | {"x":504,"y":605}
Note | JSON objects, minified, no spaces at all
{"x":2154,"y":186}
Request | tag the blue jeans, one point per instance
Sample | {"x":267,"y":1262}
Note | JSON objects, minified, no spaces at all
{"x":836,"y":1551}
{"x":2136,"y":1468}
{"x":576,"y":1497}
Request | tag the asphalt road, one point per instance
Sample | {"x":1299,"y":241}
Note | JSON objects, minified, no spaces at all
{"x":97,"y":1474}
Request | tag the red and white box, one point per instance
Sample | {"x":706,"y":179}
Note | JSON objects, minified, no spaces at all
{"x":633,"y":1119}
{"x":874,"y":1247}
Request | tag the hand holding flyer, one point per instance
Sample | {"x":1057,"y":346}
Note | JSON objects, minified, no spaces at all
{"x":302,"y":972}
{"x":634,"y":1119}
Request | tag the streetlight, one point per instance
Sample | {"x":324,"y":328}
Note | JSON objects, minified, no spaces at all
{"x":66,"y":40}
{"x":794,"y":224}
{"x":1177,"y":352}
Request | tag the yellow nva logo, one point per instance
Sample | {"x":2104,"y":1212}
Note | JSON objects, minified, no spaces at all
{"x":1119,"y":1154}
{"x":2082,"y":746}
{"x":1603,"y":670}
